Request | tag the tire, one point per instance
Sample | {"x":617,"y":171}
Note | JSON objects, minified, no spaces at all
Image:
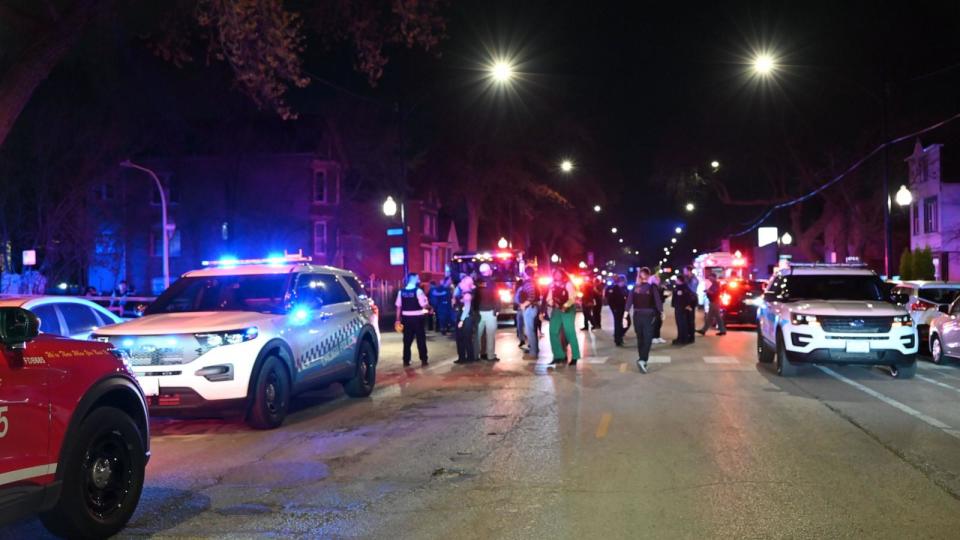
{"x":903,"y":372}
{"x":103,"y":469}
{"x":784,"y":367}
{"x":365,"y":374}
{"x":936,"y":350}
{"x":764,"y":354}
{"x":271,"y":395}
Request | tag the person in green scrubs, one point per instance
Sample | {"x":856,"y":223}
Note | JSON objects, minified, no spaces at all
{"x":562,"y":301}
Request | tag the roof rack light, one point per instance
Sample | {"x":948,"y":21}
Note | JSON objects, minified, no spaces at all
{"x":286,"y":258}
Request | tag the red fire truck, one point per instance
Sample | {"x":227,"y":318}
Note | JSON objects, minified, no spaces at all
{"x":507,"y":266}
{"x":74,"y":435}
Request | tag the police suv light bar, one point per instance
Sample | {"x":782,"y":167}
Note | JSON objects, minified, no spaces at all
{"x":286,"y":258}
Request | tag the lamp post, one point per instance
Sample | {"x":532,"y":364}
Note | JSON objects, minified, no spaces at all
{"x":163,"y":216}
{"x":390,"y":208}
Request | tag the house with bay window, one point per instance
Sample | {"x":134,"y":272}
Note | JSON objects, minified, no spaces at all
{"x":934,"y":182}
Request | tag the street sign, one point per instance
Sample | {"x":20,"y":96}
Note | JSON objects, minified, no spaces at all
{"x":29,"y":257}
{"x":395,"y":232}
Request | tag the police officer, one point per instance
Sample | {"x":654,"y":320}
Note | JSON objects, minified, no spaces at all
{"x":714,"y":316}
{"x":440,"y":296}
{"x":412,"y":312}
{"x":467,"y":321}
{"x":684,"y":303}
{"x":646,"y":304}
{"x":485,"y":296}
{"x":616,"y":295}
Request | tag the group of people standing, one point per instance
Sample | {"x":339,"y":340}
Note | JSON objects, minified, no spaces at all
{"x":470,"y":311}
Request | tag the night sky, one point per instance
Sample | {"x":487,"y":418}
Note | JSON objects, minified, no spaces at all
{"x":666,"y":85}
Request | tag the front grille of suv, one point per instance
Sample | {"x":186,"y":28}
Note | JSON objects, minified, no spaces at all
{"x":856,"y":325}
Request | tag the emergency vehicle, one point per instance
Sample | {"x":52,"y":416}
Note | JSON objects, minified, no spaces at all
{"x":507,"y":268}
{"x":242,"y":337}
{"x":74,"y":433}
{"x":833,"y":313}
{"x":720,"y":264}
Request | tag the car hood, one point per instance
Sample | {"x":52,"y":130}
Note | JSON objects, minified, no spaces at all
{"x":186,"y":323}
{"x":847,"y":308}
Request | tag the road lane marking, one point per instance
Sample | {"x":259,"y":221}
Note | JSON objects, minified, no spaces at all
{"x":597,"y":359}
{"x":938,"y":383}
{"x":658,"y":360}
{"x":623,"y":367}
{"x":929,"y":420}
{"x":604,"y":425}
{"x":720,"y":360}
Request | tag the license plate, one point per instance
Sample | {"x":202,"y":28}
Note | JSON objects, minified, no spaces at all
{"x":150,"y":385}
{"x":858,"y":346}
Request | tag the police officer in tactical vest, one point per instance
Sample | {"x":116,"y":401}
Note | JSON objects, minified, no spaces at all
{"x":647,"y":305}
{"x":412,"y":312}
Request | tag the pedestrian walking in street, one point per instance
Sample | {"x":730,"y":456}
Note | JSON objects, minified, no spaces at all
{"x":684,"y":303}
{"x":440,"y":300}
{"x":563,"y":315}
{"x":412,"y":313}
{"x":468,"y":318}
{"x":714,"y":316}
{"x":485,"y":295}
{"x":597,"y":303}
{"x":658,"y":321}
{"x":646,"y":304}
{"x":528,"y":300}
{"x":587,"y":301}
{"x":693,"y":284}
{"x":616,"y":296}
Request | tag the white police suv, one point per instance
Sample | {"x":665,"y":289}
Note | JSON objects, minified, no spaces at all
{"x":244,"y":336}
{"x":833,"y":314}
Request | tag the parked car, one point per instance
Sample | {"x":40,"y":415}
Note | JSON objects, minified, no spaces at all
{"x":74,"y":433}
{"x":66,"y":316}
{"x":925,"y":300}
{"x":739,"y":299}
{"x":242,"y":337}
{"x":944,"y":334}
{"x":834,"y":314}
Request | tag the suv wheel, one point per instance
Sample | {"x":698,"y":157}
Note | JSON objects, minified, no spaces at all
{"x":903,"y":372}
{"x":271,"y":395}
{"x":764,"y":354}
{"x":103,"y":471}
{"x":936,"y":350}
{"x":784,"y":367}
{"x":365,"y":377}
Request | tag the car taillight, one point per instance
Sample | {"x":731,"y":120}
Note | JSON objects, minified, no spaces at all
{"x":505,"y":295}
{"x":921,"y":305}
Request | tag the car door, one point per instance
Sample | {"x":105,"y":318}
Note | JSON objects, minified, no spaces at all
{"x":80,"y":320}
{"x":767,"y":315}
{"x":343,"y":319}
{"x":324,"y":306}
{"x":24,"y":416}
{"x":949,"y":330}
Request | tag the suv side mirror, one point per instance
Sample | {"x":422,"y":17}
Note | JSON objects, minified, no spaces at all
{"x":17,"y":327}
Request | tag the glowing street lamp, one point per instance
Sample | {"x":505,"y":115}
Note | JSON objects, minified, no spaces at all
{"x":673,"y":240}
{"x":904,"y":197}
{"x":390,"y":207}
{"x":678,"y":230}
{"x":502,"y":243}
{"x":786,"y":239}
{"x":596,"y":208}
{"x":566,"y":166}
{"x":582,"y":264}
{"x":689,"y":207}
{"x":613,"y":230}
{"x":764,"y":64}
{"x":715,"y":165}
{"x":501,"y":71}
{"x":554,"y":258}
{"x":621,"y":240}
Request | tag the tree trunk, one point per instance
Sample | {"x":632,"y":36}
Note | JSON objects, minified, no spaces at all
{"x":38,"y":59}
{"x":473,"y":224}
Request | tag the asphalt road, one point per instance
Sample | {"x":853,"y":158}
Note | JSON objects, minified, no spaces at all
{"x":709,"y":444}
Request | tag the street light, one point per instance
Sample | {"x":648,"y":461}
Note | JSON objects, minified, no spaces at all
{"x":678,"y":230}
{"x":165,"y":233}
{"x":714,"y":164}
{"x":566,"y":166}
{"x":613,"y":230}
{"x":673,"y":240}
{"x":621,"y":240}
{"x":904,"y":197}
{"x":596,"y":208}
{"x":764,"y":64}
{"x":390,"y":208}
{"x":554,"y":258}
{"x":503,"y":243}
{"x":694,"y":250}
{"x":786,"y":239}
{"x":689,"y":207}
{"x":501,"y":71}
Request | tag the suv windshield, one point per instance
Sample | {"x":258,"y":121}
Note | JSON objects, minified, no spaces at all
{"x":826,"y":287}
{"x":262,"y":293}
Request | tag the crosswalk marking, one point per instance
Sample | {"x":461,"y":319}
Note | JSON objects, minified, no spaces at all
{"x":658,"y":360}
{"x":596,"y":359}
{"x":720,"y":360}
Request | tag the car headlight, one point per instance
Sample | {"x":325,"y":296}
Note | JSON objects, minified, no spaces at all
{"x":799,"y":318}
{"x":212,"y":340}
{"x":902,"y":320}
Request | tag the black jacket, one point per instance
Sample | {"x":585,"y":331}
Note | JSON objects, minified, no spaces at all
{"x":616,"y":296}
